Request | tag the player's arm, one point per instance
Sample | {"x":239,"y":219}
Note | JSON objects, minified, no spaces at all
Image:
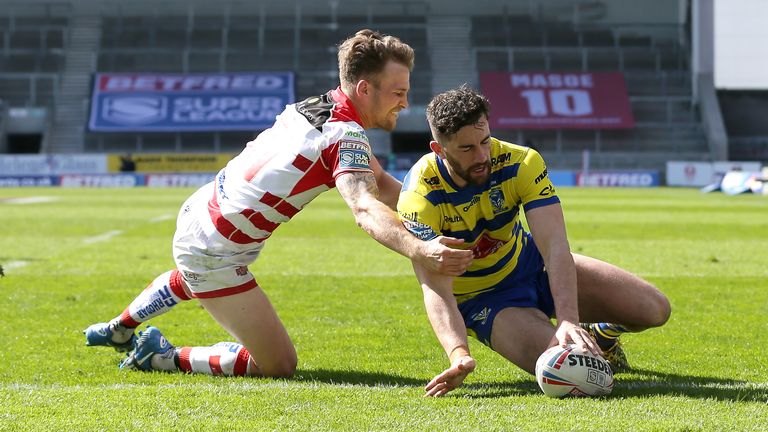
{"x":359,"y":190}
{"x":389,"y":187}
{"x":449,"y":327}
{"x":548,"y":230}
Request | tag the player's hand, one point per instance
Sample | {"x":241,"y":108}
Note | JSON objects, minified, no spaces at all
{"x":570,"y":333}
{"x":441,"y":256}
{"x":452,"y":377}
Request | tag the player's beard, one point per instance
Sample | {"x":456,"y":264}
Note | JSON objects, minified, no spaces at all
{"x":466,"y":175}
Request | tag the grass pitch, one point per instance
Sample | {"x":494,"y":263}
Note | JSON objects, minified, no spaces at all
{"x":73,"y":257}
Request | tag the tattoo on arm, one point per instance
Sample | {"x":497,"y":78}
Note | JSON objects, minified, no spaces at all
{"x":351,"y":186}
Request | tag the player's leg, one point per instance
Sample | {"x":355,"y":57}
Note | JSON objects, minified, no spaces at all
{"x":610,"y":294}
{"x":250,"y":318}
{"x":613,"y":301}
{"x":520,"y":335}
{"x":165,"y":292}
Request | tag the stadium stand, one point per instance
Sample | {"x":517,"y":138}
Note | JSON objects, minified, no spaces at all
{"x":51,"y":49}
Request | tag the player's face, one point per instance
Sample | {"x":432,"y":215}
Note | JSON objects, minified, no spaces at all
{"x":467,"y":154}
{"x":388,"y":95}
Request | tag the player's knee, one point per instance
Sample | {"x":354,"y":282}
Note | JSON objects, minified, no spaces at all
{"x":284,"y":367}
{"x":661,"y":312}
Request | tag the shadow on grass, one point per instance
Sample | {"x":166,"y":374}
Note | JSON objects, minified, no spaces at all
{"x":638,"y":383}
{"x":641,"y":383}
{"x":352,"y":377}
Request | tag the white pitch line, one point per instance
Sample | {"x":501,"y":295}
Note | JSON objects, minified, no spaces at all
{"x":161,"y":218}
{"x":14,"y":265}
{"x":29,"y":200}
{"x":102,"y":237}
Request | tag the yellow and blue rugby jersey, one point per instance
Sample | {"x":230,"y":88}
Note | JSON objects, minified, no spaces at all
{"x":486,"y":217}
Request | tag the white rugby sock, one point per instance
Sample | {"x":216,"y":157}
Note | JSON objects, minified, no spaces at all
{"x":165,"y":292}
{"x":224,"y":358}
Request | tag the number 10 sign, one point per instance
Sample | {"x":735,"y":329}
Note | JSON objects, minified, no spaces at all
{"x":547,"y":100}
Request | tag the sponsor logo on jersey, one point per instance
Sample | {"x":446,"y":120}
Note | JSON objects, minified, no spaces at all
{"x":432,"y":181}
{"x":485,"y":246}
{"x":354,"y":159}
{"x":497,"y":200}
{"x":482,"y":316}
{"x":358,"y":135}
{"x":502,"y":158}
{"x":547,"y":191}
{"x":452,"y":219}
{"x":354,"y":145}
{"x":541,"y":176}
{"x":475,"y":199}
{"x":420,"y":230}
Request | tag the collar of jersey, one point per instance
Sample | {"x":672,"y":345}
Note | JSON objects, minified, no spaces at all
{"x":468,"y":189}
{"x":343,"y":110}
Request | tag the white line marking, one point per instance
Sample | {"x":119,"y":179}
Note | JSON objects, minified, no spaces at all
{"x":102,"y":237}
{"x":14,"y":265}
{"x":29,"y":200}
{"x":164,"y":217}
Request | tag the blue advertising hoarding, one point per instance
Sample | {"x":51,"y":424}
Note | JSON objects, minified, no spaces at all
{"x":144,"y":102}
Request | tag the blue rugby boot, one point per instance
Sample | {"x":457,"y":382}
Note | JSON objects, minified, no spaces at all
{"x":104,"y":334}
{"x":150,"y":342}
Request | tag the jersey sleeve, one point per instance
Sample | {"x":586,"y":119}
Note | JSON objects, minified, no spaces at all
{"x":350,"y":153}
{"x":419,"y":216}
{"x":534,"y":186}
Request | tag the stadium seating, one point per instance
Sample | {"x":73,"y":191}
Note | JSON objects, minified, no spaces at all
{"x":37,"y":64}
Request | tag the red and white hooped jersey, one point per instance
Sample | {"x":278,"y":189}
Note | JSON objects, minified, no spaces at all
{"x":287,"y":166}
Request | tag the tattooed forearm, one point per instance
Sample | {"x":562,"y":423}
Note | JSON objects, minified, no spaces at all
{"x":354,"y":185}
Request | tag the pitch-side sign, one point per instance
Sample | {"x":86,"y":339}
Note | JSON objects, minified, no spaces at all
{"x":547,"y":100}
{"x":144,"y":102}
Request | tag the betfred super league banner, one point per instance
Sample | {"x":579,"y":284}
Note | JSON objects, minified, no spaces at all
{"x":144,"y":102}
{"x":547,"y":100}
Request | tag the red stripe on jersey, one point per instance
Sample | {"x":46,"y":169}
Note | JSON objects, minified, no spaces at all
{"x":287,"y":209}
{"x":127,"y":320}
{"x":259,"y":221}
{"x":184,"y":363}
{"x":241,"y":362}
{"x":223,"y":292}
{"x":302,"y":163}
{"x":177,"y":285}
{"x":270,"y":200}
{"x":279,"y":204}
{"x":214,"y":362}
{"x":317,"y":175}
{"x":225,"y":227}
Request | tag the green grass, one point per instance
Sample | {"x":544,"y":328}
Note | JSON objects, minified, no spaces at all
{"x":355,"y":313}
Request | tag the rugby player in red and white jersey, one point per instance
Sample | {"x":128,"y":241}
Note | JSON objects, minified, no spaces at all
{"x":314,"y":145}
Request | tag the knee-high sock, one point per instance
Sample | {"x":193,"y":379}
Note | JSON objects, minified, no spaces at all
{"x":609,"y":330}
{"x":165,"y":292}
{"x":224,"y":358}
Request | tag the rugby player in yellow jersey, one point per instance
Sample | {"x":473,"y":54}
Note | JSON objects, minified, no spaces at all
{"x":474,"y":187}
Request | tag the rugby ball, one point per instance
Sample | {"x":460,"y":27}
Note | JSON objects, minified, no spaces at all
{"x":570,"y":371}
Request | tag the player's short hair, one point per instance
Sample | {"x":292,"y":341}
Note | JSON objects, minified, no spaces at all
{"x":452,"y":110}
{"x":364,"y":55}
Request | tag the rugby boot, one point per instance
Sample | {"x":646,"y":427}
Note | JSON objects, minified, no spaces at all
{"x":150,"y":342}
{"x":102,"y":334}
{"x":612,"y":349}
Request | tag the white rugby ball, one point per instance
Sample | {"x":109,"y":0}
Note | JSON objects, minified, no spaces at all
{"x":570,"y":371}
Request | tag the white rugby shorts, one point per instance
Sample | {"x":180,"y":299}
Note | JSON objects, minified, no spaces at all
{"x":209,"y":263}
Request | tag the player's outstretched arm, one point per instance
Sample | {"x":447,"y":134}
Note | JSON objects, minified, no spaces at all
{"x":548,"y":231}
{"x":360,"y":192}
{"x":449,"y":327}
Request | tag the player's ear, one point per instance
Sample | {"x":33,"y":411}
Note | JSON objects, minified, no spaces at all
{"x":436,"y":148}
{"x":362,"y":88}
